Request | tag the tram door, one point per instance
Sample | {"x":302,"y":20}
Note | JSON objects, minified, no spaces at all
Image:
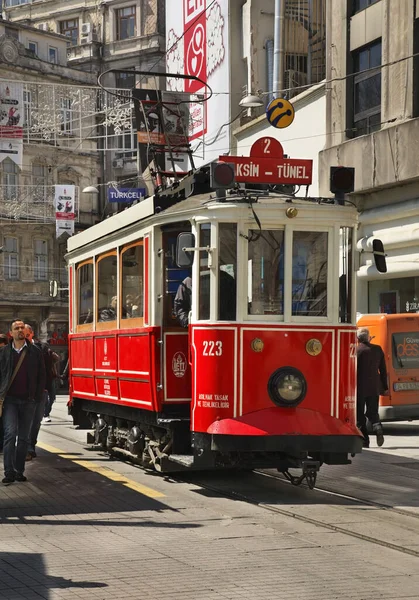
{"x":177,"y":374}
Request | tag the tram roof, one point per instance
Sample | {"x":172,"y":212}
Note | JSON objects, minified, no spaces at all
{"x":154,"y":206}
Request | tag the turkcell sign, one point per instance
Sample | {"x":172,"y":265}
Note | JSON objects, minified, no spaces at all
{"x":271,"y":170}
{"x":126,"y":194}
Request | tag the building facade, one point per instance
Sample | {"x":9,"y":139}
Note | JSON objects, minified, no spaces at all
{"x":373,"y":125}
{"x":47,"y":101}
{"x":116,"y":34}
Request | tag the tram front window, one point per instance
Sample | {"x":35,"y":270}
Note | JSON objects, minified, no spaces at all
{"x":266,"y":272}
{"x":309,"y":274}
{"x":204,"y":272}
{"x":227,"y":271}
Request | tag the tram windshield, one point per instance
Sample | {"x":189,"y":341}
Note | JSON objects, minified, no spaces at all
{"x":309,"y":273}
{"x":265,"y":294}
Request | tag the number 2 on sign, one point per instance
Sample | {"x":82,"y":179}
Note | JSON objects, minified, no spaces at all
{"x":267,"y":143}
{"x":213,"y":348}
{"x":352,"y":350}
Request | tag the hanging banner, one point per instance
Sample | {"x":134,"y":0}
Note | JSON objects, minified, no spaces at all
{"x":162,"y":118}
{"x":65,"y":209}
{"x":11,"y":110}
{"x":12,"y":149}
{"x":64,"y":226}
{"x":65,"y":201}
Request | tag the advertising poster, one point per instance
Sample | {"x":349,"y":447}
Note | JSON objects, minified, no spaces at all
{"x":11,"y":110}
{"x":65,"y":209}
{"x":197,"y":40}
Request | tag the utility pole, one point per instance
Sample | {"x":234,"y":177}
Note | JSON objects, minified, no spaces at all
{"x":279,"y":47}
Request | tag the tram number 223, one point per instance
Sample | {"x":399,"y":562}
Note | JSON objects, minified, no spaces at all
{"x":212,"y":348}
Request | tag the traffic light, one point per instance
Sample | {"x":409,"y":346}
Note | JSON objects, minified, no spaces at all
{"x":342,"y":181}
{"x":222,"y":175}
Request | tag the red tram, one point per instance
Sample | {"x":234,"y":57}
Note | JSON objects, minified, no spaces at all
{"x":264,"y":373}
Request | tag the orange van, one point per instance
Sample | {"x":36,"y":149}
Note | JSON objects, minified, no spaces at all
{"x":398,"y":336}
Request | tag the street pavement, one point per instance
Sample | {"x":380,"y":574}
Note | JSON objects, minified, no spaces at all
{"x":87,"y":527}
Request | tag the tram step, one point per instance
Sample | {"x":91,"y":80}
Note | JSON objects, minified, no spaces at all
{"x":182,"y":459}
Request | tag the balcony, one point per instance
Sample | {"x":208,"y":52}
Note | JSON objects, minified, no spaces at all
{"x":83,"y":52}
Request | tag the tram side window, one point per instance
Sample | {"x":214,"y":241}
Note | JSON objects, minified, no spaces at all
{"x":265,"y":294}
{"x":227,"y":271}
{"x":309,"y":273}
{"x":107,"y":288}
{"x":204,"y":272}
{"x":345,"y":274}
{"x":132,"y":282}
{"x":85,"y":287}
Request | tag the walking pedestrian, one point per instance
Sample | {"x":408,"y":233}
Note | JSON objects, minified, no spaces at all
{"x":371,"y":382}
{"x":44,"y":406}
{"x":22,"y":383}
{"x":4,"y":340}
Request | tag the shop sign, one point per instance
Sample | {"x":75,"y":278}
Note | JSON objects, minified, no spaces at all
{"x":412,"y":306}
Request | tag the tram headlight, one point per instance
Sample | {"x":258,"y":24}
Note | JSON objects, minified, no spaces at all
{"x":287,"y":386}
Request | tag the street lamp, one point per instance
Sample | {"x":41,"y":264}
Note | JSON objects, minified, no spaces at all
{"x":251,"y":101}
{"x":90,"y":189}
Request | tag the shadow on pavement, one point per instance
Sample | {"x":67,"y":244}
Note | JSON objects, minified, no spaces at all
{"x":25,"y":575}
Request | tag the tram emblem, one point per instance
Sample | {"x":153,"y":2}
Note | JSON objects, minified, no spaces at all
{"x":179,"y":364}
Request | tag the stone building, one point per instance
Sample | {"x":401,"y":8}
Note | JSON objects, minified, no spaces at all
{"x":113,"y":34}
{"x":373,"y":125}
{"x":54,"y":100}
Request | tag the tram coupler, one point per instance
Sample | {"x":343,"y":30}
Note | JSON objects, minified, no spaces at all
{"x":310,"y":469}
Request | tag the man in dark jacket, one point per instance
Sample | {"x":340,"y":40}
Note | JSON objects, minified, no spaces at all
{"x":371,"y":382}
{"x":21,"y":395}
{"x":183,"y":302}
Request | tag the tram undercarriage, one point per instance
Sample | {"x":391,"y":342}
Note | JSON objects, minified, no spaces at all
{"x":164,"y":442}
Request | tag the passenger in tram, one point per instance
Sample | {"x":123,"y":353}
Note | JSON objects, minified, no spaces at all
{"x":183,"y":302}
{"x":109,"y":313}
{"x":129,"y":299}
{"x":371,"y":382}
{"x":227,"y":298}
{"x":137,"y":307}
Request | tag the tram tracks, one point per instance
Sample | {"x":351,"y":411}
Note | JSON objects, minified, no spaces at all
{"x":195,"y":479}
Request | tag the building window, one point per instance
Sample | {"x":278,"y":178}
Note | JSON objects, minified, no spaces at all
{"x":125,"y":23}
{"x":17,"y":2}
{"x":367,"y":89}
{"x":10,"y":179}
{"x":14,"y":33}
{"x":39,"y":182}
{"x":11,"y":258}
{"x":33,"y":47}
{"x":125,"y":81}
{"x":27,"y":106}
{"x":53,"y":55}
{"x":71,"y":30}
{"x":41,"y":260}
{"x":66,"y":117}
{"x":361,"y":4}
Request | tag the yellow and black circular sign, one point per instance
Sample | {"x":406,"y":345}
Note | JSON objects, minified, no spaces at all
{"x":280,"y":113}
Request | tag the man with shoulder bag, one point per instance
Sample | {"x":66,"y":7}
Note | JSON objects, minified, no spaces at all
{"x":22,"y":383}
